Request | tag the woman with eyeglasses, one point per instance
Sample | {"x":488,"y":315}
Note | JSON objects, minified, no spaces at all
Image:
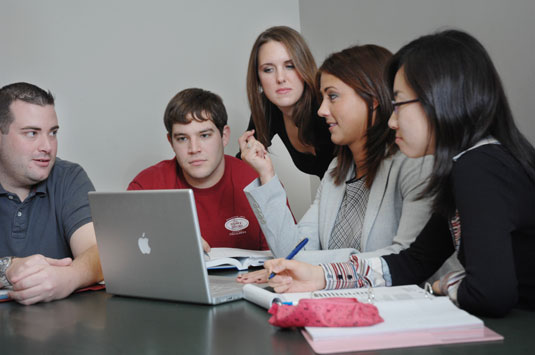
{"x":280,"y":89}
{"x":451,"y":103}
{"x":369,"y":200}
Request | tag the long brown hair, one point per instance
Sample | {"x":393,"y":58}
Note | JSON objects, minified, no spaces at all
{"x":362,"y":68}
{"x":261,"y":108}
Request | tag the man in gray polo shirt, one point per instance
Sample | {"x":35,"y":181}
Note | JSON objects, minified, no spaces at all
{"x":47,"y":241}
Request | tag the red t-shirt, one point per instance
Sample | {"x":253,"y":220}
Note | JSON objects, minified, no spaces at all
{"x":225,"y":216}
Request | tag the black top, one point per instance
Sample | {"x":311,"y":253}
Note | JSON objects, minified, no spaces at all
{"x":495,"y":200}
{"x":306,"y":162}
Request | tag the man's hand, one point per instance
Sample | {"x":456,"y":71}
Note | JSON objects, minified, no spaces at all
{"x":255,"y":154}
{"x":205,"y":246}
{"x":37,"y":278}
{"x":40,"y":279}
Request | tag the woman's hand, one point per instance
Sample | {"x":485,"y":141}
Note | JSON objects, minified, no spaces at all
{"x":294,"y":276}
{"x":257,"y":277}
{"x":436,"y":288}
{"x":255,"y":154}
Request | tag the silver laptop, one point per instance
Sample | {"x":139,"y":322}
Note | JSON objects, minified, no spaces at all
{"x":150,"y":246}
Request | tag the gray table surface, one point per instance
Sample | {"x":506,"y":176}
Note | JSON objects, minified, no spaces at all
{"x":99,"y":323}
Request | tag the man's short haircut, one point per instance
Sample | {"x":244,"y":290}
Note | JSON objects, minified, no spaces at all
{"x":20,"y":91}
{"x":200,"y":105}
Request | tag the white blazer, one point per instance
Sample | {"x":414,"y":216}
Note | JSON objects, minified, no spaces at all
{"x":394,"y":216}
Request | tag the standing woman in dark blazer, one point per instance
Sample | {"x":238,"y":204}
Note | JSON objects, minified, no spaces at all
{"x":280,"y":89}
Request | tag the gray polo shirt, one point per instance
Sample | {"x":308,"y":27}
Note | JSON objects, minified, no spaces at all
{"x":46,"y":220}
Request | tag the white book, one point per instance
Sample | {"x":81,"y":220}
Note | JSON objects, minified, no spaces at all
{"x":241,"y":259}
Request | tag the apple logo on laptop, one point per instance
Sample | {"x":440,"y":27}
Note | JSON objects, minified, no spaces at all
{"x":143,"y":244}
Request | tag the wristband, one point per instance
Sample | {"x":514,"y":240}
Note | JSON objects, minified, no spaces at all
{"x":5,"y":262}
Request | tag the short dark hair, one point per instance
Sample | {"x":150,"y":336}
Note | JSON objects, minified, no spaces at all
{"x":20,"y":91}
{"x":463,"y":98}
{"x":201,"y":104}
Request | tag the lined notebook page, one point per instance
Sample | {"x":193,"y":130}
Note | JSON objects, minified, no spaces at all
{"x":264,"y":297}
{"x":407,"y":315}
{"x":395,"y":293}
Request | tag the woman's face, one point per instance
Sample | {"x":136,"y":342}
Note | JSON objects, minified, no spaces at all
{"x":413,"y":134}
{"x":344,"y":111}
{"x":281,"y":82}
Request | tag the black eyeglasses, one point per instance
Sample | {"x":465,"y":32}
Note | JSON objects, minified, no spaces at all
{"x":397,"y":104}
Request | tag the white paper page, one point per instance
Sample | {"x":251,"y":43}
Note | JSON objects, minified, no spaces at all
{"x":216,"y":253}
{"x":408,"y":315}
{"x":378,"y":294}
{"x":395,"y":293}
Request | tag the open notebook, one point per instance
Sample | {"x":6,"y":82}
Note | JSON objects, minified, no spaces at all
{"x":264,"y":297}
{"x":411,"y":316}
{"x":230,"y":258}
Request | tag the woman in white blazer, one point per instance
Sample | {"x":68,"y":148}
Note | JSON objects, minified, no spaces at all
{"x":369,"y":199}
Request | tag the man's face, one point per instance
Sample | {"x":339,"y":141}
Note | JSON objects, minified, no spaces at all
{"x":199,"y":149}
{"x":28,"y":151}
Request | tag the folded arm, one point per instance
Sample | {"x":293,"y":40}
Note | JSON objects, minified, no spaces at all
{"x":40,"y":279}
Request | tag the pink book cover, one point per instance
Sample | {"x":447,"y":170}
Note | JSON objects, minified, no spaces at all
{"x":402,"y":339}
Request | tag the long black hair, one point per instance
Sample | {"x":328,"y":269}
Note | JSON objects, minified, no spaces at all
{"x":464,"y":100}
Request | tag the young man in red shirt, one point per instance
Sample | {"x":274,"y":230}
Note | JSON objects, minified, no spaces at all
{"x":196,"y":123}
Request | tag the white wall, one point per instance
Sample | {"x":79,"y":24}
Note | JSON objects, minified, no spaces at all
{"x":114,"y":65}
{"x":506,"y":29}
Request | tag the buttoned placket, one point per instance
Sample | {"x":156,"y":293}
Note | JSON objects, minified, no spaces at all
{"x":21,"y":217}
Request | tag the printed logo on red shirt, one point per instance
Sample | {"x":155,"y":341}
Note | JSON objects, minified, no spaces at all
{"x":236,"y":224}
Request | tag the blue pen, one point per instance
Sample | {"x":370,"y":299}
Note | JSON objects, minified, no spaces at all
{"x":290,"y":256}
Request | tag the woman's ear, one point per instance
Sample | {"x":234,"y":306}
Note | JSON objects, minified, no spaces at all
{"x":373,"y":108}
{"x":374,"y":105}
